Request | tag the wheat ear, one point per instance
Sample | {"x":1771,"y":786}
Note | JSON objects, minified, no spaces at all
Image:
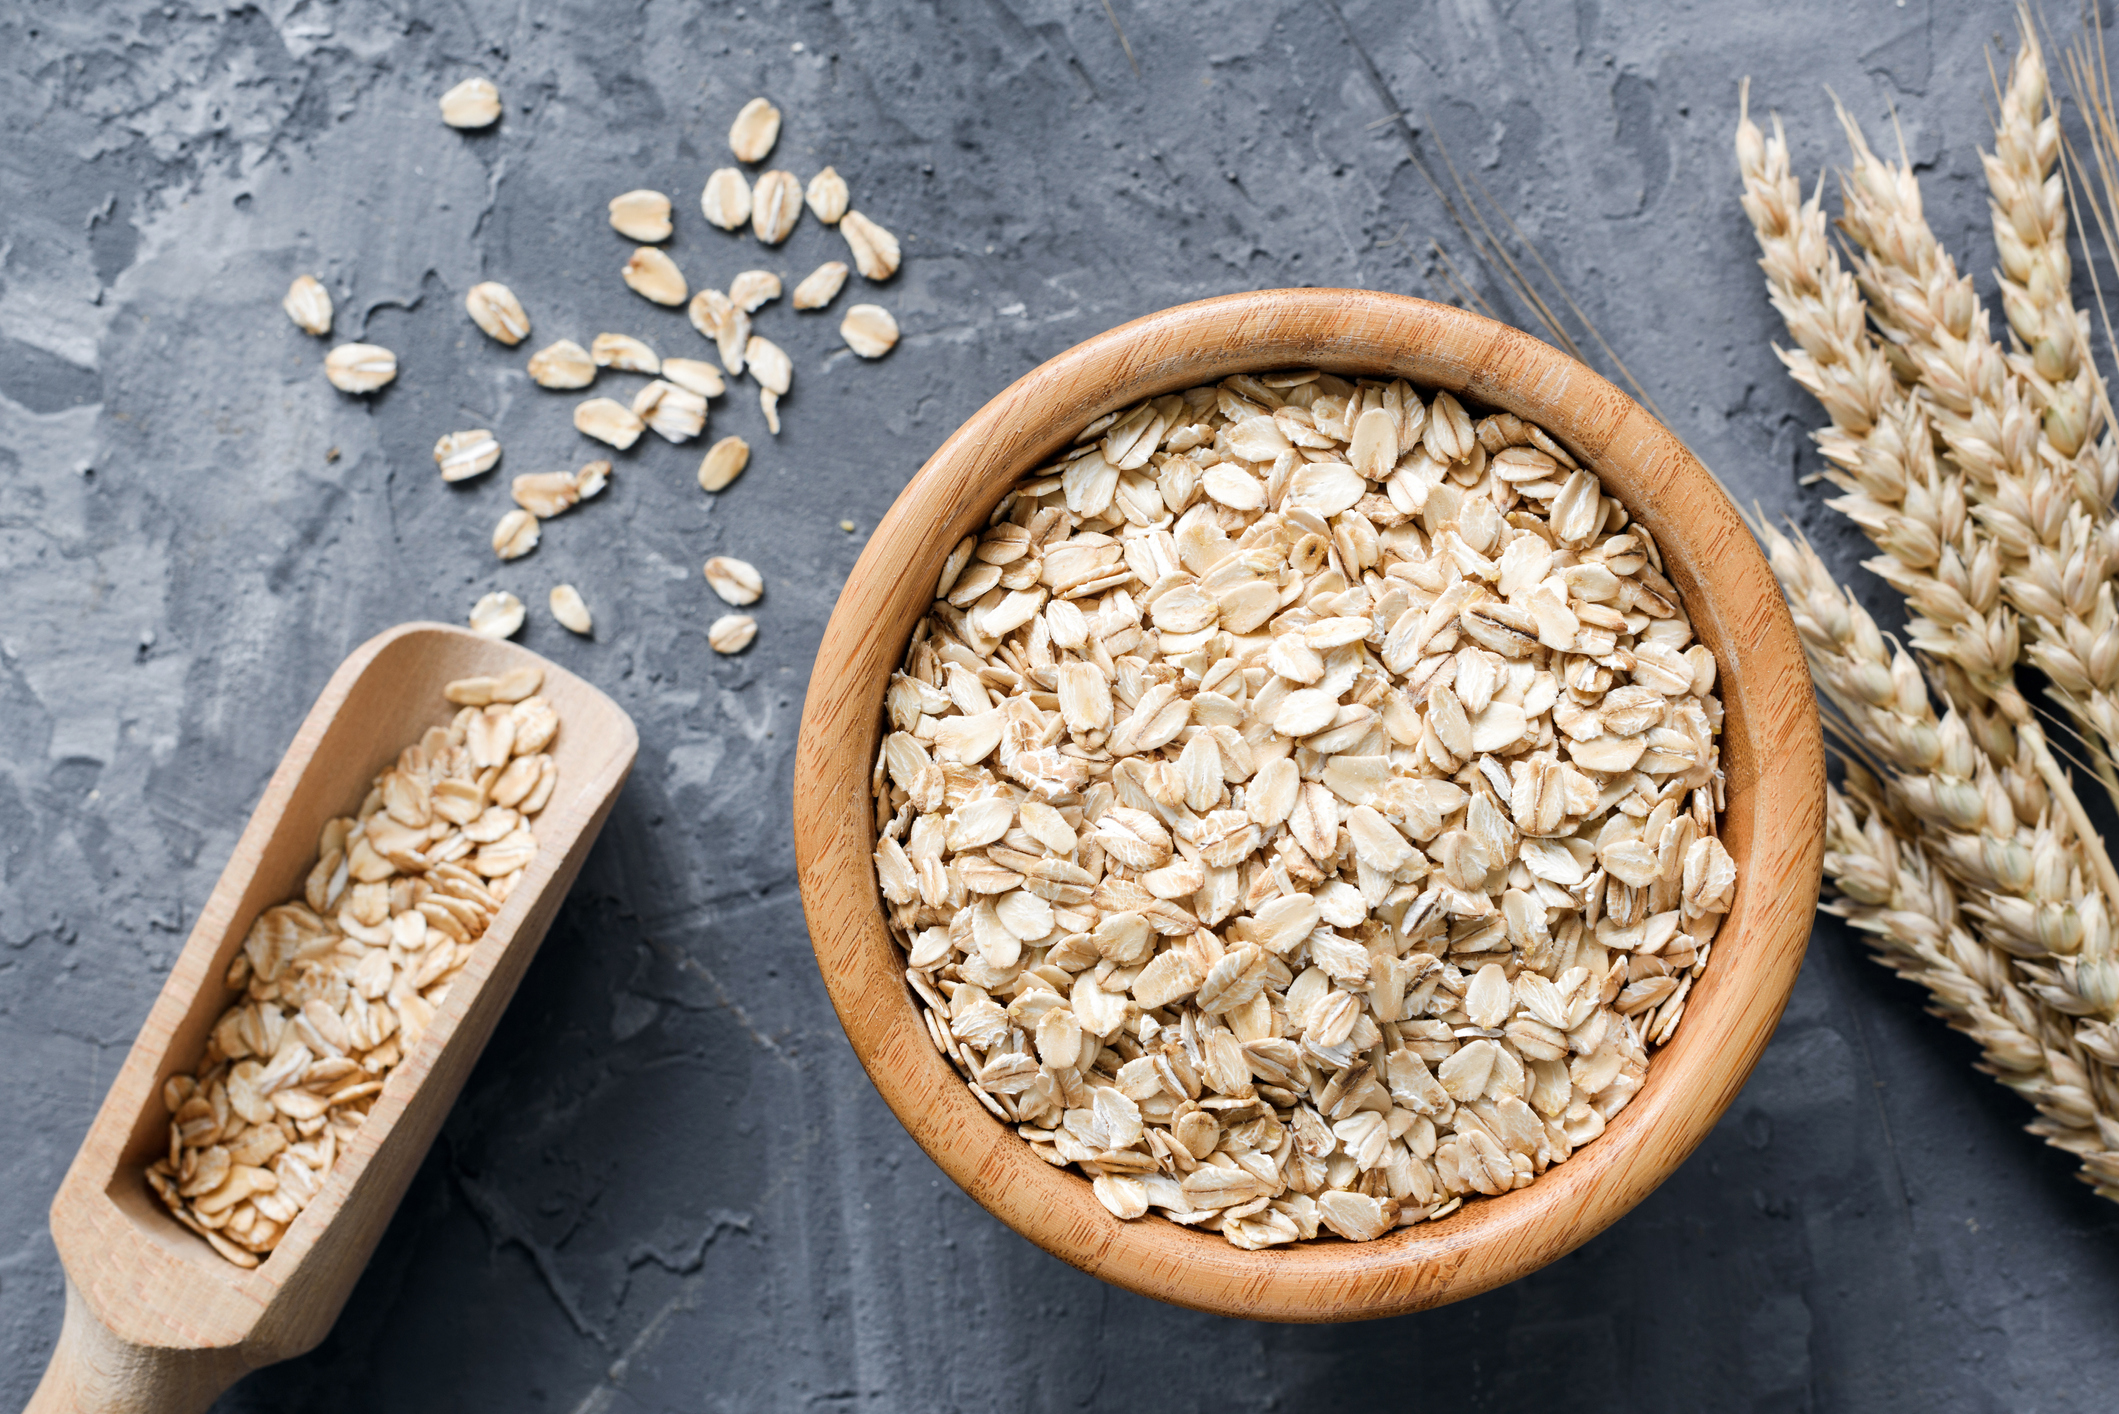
{"x":1986,"y":419}
{"x":1953,"y":810}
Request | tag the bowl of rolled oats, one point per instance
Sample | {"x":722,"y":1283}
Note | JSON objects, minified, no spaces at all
{"x":1308,"y":805}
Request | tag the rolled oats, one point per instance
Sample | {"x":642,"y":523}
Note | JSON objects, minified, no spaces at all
{"x":651,"y":274}
{"x":308,"y":304}
{"x":768,"y":364}
{"x":497,"y":615}
{"x":756,"y":129}
{"x":821,"y":286}
{"x":869,"y":330}
{"x":753,"y":288}
{"x":565,"y":364}
{"x":474,"y":103}
{"x":775,"y":206}
{"x":641,"y":216}
{"x":695,"y":375}
{"x":608,"y":420}
{"x":624,"y":353}
{"x":339,"y":984}
{"x":494,"y":309}
{"x":463,"y":455}
{"x":723,"y":463}
{"x":731,"y":633}
{"x":827,"y":196}
{"x":516,"y":535}
{"x":545,"y":494}
{"x":360,"y":368}
{"x":1298,"y":808}
{"x":875,"y":250}
{"x":726,"y":199}
{"x":569,"y":608}
{"x":676,"y":414}
{"x":736,"y":581}
{"x":717,"y":317}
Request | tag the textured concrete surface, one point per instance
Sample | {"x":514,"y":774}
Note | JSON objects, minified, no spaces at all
{"x":669,"y":1186}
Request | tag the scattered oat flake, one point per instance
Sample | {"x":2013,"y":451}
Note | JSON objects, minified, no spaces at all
{"x":462,"y":455}
{"x":624,"y":353}
{"x":869,"y":330}
{"x":676,"y":414}
{"x":494,"y":308}
{"x":569,"y":608}
{"x":821,"y":286}
{"x":474,"y":103}
{"x":775,"y":206}
{"x":564,"y":364}
{"x":726,"y":200}
{"x":847,"y":526}
{"x":753,"y":288}
{"x":736,"y":581}
{"x":769,"y":405}
{"x":828,"y":196}
{"x":875,"y":250}
{"x":723,"y":463}
{"x":608,"y":420}
{"x":731,"y":633}
{"x":769,"y":364}
{"x":756,"y":129}
{"x":694,"y":374}
{"x":308,"y":304}
{"x":651,"y":274}
{"x":715,"y":315}
{"x":497,"y":615}
{"x":641,"y":216}
{"x":359,"y":368}
{"x":516,"y":535}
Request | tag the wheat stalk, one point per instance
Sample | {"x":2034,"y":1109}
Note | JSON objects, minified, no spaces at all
{"x":2019,"y":468}
{"x":1891,"y":890}
{"x":1940,"y":808}
{"x":1949,"y":565}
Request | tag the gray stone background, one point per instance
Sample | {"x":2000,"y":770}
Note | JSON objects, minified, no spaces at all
{"x":669,"y":1185}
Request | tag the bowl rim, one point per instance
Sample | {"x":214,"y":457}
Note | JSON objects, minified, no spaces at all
{"x":1773,"y":755}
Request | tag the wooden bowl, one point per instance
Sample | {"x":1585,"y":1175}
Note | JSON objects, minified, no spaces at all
{"x":155,"y":1319}
{"x":1773,"y":827}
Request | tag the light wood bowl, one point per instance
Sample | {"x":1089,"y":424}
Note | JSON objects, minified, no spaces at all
{"x":155,"y":1319}
{"x":1773,"y":827}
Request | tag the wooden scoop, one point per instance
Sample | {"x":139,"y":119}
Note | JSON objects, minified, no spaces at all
{"x":155,"y":1319}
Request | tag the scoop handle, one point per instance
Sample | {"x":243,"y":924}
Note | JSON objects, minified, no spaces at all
{"x":94,"y":1372}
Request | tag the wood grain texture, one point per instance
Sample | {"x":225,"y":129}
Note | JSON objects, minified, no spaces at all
{"x":1773,"y":826}
{"x":155,"y":1318}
